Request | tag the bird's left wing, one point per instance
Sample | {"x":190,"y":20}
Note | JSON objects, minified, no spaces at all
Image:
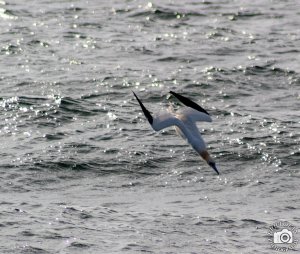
{"x":164,"y":120}
{"x":189,"y":103}
{"x":145,"y":111}
{"x":161,"y":121}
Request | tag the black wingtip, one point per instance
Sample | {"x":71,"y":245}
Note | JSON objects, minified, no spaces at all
{"x":146,"y":112}
{"x":189,"y":103}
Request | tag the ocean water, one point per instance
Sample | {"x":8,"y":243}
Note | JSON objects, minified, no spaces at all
{"x":82,"y":171}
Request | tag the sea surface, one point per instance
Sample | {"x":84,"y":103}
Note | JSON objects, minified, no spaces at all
{"x":82,"y":171}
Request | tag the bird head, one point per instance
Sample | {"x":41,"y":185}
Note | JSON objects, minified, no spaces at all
{"x":213,"y":165}
{"x":205,"y":156}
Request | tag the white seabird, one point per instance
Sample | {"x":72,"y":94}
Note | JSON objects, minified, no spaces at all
{"x":184,"y":121}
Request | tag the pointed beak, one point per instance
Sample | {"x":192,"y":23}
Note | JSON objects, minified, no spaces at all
{"x":213,"y":165}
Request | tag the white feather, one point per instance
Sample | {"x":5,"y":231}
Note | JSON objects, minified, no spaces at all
{"x":184,"y":122}
{"x":192,"y":115}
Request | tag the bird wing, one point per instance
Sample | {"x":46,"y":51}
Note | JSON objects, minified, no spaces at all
{"x":190,"y":114}
{"x":164,"y":120}
{"x":145,"y":111}
{"x":160,"y":121}
{"x":189,"y":103}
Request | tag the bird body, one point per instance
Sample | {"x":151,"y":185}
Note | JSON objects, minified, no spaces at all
{"x":189,"y":117}
{"x":184,"y":121}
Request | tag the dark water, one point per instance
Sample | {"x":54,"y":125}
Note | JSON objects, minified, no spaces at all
{"x":81,"y":169}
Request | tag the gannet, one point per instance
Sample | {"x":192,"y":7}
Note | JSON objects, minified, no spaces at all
{"x":184,"y":121}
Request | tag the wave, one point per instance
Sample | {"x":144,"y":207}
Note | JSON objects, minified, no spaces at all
{"x":166,"y":14}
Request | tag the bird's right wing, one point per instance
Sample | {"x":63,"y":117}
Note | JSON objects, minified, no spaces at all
{"x":192,"y":115}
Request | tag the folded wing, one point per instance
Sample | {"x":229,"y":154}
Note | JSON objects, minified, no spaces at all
{"x":190,"y":114}
{"x":189,"y":103}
